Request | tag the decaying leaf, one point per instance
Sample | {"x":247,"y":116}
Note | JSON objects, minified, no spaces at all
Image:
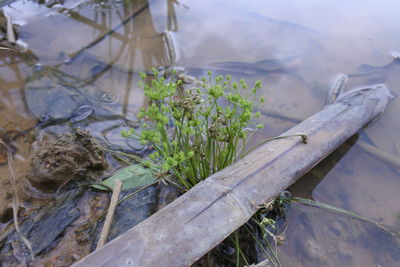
{"x":132,"y":176}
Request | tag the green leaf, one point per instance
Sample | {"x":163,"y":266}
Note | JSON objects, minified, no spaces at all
{"x":132,"y":176}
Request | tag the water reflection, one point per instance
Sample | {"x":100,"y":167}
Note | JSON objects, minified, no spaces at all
{"x":122,"y":40}
{"x":294,"y":47}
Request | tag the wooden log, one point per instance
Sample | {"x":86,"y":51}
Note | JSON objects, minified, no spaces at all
{"x":374,"y":151}
{"x":189,"y":227}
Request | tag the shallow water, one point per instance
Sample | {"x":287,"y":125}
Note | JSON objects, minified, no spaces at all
{"x":295,"y":47}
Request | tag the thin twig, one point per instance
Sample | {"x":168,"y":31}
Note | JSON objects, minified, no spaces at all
{"x":10,"y":30}
{"x":8,"y":49}
{"x":304,"y":139}
{"x":394,"y":161}
{"x":313,"y":203}
{"x":110,"y":214}
{"x":16,"y":200}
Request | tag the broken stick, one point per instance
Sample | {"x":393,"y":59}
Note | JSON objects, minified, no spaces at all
{"x":110,"y":214}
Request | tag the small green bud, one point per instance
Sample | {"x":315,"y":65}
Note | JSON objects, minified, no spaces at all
{"x":235,"y":86}
{"x":178,"y":124}
{"x":128,"y":133}
{"x":166,"y":166}
{"x":258,"y":84}
{"x":124,"y":133}
{"x":170,"y":161}
{"x":243,"y":84}
{"x":165,"y":146}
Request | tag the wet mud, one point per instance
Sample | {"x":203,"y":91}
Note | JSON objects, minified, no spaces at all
{"x":75,"y":156}
{"x":49,"y":195}
{"x":66,"y":225}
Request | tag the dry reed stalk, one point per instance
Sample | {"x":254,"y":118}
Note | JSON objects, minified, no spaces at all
{"x":16,"y":199}
{"x":110,"y":214}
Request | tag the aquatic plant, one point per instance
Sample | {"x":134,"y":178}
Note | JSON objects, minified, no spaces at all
{"x":200,"y":131}
{"x":195,"y":132}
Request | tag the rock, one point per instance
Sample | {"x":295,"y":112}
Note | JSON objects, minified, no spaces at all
{"x":133,"y":210}
{"x":65,"y":158}
{"x":55,"y":95}
{"x":43,"y":228}
{"x":129,"y":212}
{"x":62,"y":102}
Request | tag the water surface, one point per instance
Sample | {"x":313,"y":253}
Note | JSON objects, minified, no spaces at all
{"x":295,"y":47}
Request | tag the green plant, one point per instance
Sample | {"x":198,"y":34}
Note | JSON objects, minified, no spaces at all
{"x":195,"y":132}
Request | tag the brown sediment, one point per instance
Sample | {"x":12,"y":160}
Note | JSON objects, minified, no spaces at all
{"x":3,"y":156}
{"x":65,"y":158}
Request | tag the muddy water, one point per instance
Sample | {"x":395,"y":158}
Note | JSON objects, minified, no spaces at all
{"x":296,"y":48}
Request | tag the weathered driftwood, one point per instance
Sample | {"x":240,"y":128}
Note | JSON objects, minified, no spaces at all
{"x":189,"y":227}
{"x":373,"y":150}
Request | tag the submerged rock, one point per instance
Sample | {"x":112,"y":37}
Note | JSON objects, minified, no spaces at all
{"x":42,"y":228}
{"x":68,"y":157}
{"x":133,"y":210}
{"x":138,"y":207}
{"x":53,"y":95}
{"x":62,"y":102}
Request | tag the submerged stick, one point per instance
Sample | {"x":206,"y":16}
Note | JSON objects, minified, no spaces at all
{"x":313,"y":203}
{"x":110,"y":214}
{"x":391,"y":160}
{"x":186,"y":229}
